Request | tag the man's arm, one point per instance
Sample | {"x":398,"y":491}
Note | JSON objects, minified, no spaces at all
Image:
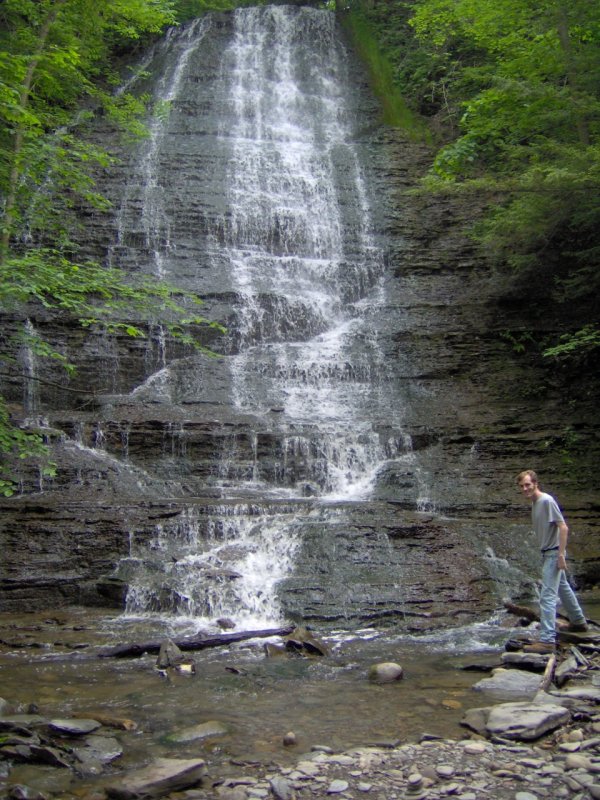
{"x":563,"y":535}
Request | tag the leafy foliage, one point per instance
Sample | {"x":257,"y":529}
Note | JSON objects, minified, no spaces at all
{"x":513,"y":89}
{"x":19,"y":444}
{"x":396,"y":112}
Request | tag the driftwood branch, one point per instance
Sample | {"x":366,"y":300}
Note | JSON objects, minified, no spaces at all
{"x":192,"y":642}
{"x":548,"y":673}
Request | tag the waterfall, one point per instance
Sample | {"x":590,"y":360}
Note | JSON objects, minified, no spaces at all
{"x":29,"y":367}
{"x":253,"y":190}
{"x":142,"y":204}
{"x":298,"y":240}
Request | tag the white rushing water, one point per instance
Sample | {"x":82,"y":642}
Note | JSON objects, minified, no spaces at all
{"x":142,"y":208}
{"x":293,"y":180}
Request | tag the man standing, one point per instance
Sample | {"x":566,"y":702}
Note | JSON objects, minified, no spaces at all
{"x":552,"y":532}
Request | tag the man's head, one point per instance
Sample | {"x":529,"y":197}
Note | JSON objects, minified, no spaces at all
{"x":528,"y":483}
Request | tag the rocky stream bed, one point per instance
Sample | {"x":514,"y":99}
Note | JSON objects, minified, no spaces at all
{"x":535,"y":734}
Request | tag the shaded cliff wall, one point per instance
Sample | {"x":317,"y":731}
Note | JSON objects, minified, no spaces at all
{"x":474,"y":410}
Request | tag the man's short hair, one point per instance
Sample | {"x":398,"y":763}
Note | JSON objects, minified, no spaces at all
{"x":527,"y":473}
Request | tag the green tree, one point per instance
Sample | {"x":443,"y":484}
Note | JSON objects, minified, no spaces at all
{"x":526,"y":92}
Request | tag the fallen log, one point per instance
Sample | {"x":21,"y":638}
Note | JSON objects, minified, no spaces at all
{"x":192,"y":642}
{"x":522,"y":611}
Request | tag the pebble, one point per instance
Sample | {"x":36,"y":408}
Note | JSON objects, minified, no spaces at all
{"x":337,"y":786}
{"x":475,"y":748}
{"x":436,"y":770}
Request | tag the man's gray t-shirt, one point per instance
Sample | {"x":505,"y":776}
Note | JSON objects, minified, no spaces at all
{"x":545,"y":516}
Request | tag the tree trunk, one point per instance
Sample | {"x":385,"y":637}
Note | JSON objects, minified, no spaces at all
{"x":193,"y":642}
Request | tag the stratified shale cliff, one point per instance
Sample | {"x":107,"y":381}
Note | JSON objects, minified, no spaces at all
{"x":350,"y":452}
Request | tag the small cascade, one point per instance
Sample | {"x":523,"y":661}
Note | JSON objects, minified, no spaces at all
{"x":141,"y":219}
{"x":31,"y":402}
{"x":222,"y":562}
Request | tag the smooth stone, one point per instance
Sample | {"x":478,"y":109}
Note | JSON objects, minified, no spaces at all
{"x":525,"y":796}
{"x":99,"y":748}
{"x":577,"y":761}
{"x":307,"y":768}
{"x":575,"y":735}
{"x":569,"y":747}
{"x":281,"y":788}
{"x":337,"y":786}
{"x":386,"y":672}
{"x":475,"y":748}
{"x":201,"y":731}
{"x":165,"y":775}
{"x":476,"y":719}
{"x":510,"y":681}
{"x":74,"y":727}
{"x":444,"y":770}
{"x":535,"y":661}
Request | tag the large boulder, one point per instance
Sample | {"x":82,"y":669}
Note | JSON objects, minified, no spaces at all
{"x":164,"y":776}
{"x":525,"y":721}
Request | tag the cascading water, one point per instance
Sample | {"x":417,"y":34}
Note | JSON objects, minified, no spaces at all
{"x":297,"y":237}
{"x":277,"y":219}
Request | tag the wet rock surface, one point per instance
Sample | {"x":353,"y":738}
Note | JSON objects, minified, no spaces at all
{"x":146,"y":448}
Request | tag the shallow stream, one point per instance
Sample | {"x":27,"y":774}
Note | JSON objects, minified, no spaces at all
{"x":51,"y":660}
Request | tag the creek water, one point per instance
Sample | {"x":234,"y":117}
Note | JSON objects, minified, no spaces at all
{"x":255,"y":700}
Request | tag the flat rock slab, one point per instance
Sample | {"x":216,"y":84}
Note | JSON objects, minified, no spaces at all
{"x":525,"y":721}
{"x":535,"y":662}
{"x":201,"y":731}
{"x":99,"y":748}
{"x":511,"y":681}
{"x":165,"y":775}
{"x":74,"y":727}
{"x":589,"y":637}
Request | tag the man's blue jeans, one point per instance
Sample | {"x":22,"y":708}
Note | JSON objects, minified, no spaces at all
{"x":555,"y":587}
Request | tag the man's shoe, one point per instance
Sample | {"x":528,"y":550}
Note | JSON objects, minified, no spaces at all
{"x":578,"y":627}
{"x":539,"y":647}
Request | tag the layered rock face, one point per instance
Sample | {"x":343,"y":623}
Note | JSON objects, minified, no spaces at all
{"x":350,"y":454}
